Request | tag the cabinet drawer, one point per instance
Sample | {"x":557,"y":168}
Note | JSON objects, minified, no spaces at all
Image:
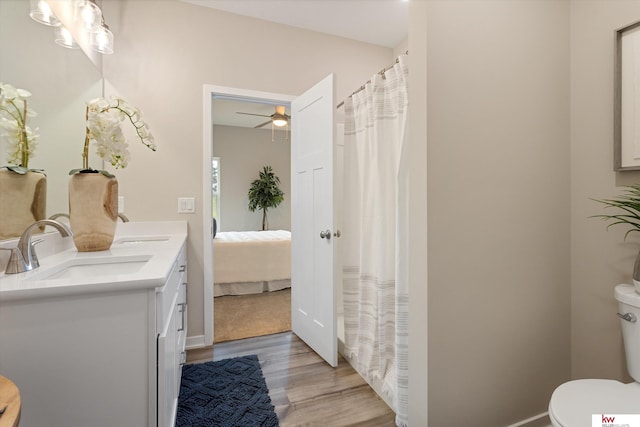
{"x":166,"y":296}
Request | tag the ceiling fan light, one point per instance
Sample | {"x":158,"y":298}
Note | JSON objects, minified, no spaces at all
{"x":279,"y":122}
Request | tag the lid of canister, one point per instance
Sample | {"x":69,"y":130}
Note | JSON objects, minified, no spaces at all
{"x":573,"y":403}
{"x":627,"y":294}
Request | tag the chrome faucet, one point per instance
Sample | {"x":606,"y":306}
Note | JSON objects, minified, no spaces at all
{"x":23,"y":257}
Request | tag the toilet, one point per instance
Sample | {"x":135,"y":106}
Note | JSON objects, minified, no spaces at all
{"x":573,"y":403}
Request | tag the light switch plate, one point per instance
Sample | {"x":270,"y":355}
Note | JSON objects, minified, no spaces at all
{"x":186,"y":205}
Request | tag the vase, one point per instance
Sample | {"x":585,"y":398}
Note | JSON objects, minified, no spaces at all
{"x":93,"y":210}
{"x":23,"y":201}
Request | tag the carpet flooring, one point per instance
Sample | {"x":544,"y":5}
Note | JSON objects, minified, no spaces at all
{"x":247,"y":316}
{"x":227,"y":393}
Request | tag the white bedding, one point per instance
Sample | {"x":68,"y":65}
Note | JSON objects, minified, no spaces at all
{"x":251,"y":261}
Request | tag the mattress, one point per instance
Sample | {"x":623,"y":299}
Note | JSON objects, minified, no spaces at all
{"x":251,"y":261}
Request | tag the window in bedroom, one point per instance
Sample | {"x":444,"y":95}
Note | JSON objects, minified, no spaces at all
{"x":215,"y":190}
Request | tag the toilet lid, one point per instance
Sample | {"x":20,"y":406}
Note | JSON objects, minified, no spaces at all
{"x":573,"y":403}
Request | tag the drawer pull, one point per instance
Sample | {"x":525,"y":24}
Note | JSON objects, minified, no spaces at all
{"x":183,"y":358}
{"x":182,"y":310}
{"x":182,"y":268}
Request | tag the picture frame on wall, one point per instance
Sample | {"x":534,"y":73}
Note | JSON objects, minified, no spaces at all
{"x":626,"y":138}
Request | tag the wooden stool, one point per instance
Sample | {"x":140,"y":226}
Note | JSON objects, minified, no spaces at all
{"x":9,"y":397}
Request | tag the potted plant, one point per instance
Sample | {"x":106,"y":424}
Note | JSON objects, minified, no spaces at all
{"x":265,"y":193}
{"x":93,"y":194}
{"x":628,"y":205}
{"x":23,"y":191}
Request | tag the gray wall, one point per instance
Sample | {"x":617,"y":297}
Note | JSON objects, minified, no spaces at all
{"x":163,"y":72}
{"x":600,"y":258}
{"x":498,"y":209}
{"x":243,"y":152}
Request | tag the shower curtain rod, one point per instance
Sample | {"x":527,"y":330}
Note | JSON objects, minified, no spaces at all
{"x":381,"y":72}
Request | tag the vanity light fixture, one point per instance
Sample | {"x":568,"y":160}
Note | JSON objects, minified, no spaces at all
{"x":87,"y":18}
{"x":41,"y":12}
{"x":64,"y":38}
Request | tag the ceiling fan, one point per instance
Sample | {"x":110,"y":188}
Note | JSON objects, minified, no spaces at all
{"x":278,"y":119}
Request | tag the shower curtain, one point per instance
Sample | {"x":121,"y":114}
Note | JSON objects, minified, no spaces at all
{"x":375,"y":291}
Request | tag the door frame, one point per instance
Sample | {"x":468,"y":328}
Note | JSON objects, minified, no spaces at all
{"x":209,"y":93}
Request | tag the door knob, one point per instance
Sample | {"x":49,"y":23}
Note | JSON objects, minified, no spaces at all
{"x":325,"y":234}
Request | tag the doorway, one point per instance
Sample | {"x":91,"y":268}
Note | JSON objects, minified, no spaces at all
{"x":211,"y":93}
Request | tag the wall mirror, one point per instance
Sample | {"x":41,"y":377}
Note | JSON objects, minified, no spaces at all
{"x":61,"y":81}
{"x":627,"y":99}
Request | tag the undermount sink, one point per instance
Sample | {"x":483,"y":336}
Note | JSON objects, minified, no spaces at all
{"x":141,"y":239}
{"x":90,"y":267}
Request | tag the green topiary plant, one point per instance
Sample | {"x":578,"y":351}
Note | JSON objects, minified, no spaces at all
{"x":265,"y":193}
{"x":629,"y":205}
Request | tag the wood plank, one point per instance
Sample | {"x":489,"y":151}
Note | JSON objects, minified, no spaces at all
{"x":304,"y":389}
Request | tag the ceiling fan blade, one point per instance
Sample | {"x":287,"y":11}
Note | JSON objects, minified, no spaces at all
{"x":263,"y":124}
{"x":251,"y":114}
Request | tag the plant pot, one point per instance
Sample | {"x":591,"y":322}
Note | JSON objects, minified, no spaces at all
{"x":636,"y":273}
{"x":93,"y":210}
{"x":23,"y":201}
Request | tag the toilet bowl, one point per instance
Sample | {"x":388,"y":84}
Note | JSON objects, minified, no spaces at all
{"x":573,"y":403}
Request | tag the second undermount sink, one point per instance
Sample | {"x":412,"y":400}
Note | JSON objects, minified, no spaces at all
{"x":94,"y":267}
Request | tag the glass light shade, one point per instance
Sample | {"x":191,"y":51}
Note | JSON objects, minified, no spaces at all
{"x":102,"y":40}
{"x":279,"y":122}
{"x":65,"y":39}
{"x":89,"y":14}
{"x":42,"y":13}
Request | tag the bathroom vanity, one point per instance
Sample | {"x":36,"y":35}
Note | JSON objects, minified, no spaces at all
{"x":98,"y":338}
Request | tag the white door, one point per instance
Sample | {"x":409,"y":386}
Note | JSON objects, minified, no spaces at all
{"x":313,"y":233}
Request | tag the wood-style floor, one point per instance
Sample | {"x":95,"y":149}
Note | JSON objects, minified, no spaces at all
{"x":305,"y":390}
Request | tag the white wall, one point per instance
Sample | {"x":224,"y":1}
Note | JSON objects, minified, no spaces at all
{"x":162,"y":58}
{"x":243,"y":152}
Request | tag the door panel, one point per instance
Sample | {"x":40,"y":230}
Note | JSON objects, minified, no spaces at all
{"x":313,"y":273}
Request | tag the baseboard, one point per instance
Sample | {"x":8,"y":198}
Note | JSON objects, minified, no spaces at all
{"x":196,"y":341}
{"x":540,"y":420}
{"x":376,"y":387}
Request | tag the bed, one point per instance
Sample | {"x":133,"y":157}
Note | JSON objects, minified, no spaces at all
{"x":249,"y":262}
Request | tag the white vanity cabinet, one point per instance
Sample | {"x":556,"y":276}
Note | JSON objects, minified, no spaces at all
{"x":94,"y":353}
{"x":171,"y":324}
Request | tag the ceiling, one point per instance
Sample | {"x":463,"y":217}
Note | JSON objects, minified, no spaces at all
{"x":379,"y":22}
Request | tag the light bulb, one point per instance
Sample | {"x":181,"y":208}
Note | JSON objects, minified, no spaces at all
{"x":42,"y":13}
{"x":65,"y":39}
{"x":279,"y":122}
{"x":90,"y":15}
{"x":102,"y":40}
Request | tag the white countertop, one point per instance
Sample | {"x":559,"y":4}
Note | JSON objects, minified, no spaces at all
{"x":151,"y":246}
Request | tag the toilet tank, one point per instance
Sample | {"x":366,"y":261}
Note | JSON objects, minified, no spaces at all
{"x":629,"y":306}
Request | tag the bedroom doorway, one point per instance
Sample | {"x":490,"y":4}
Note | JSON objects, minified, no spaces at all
{"x":228,"y":107}
{"x":314,"y":274}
